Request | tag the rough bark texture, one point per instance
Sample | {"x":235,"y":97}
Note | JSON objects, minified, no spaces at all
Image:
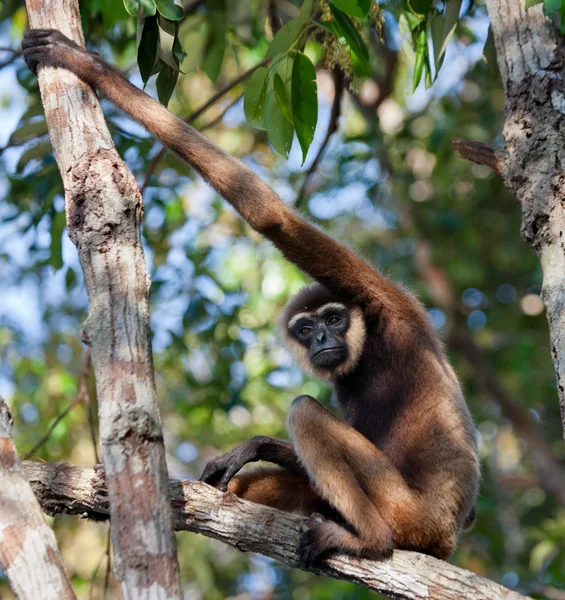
{"x":104,"y":210}
{"x":250,"y":527}
{"x":28,"y":549}
{"x":530,"y":56}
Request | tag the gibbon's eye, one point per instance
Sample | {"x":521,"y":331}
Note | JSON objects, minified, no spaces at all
{"x":305,"y":330}
{"x":333,"y":320}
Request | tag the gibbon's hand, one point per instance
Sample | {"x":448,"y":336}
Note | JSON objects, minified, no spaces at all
{"x":224,"y":467}
{"x":47,"y":46}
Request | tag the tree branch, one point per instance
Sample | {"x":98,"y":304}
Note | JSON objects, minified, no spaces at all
{"x":28,"y":549}
{"x":197,"y":507}
{"x":482,"y":154}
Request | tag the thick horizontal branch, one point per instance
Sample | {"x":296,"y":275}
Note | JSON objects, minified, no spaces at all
{"x":197,"y":507}
{"x":482,"y":154}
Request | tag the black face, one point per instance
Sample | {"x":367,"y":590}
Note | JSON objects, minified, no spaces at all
{"x":323,"y":335}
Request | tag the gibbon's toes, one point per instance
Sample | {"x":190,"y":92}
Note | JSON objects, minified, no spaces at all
{"x":311,"y":551}
{"x":313,"y":543}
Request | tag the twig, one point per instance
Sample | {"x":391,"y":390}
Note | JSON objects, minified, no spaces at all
{"x":193,"y":116}
{"x":222,"y":114}
{"x":482,"y":154}
{"x":273,"y":20}
{"x":332,"y":128}
{"x":82,"y":395}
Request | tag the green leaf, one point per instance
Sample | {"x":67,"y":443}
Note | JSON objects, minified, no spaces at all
{"x":147,"y":49}
{"x":440,"y":41}
{"x":214,"y":54}
{"x":170,"y":10}
{"x":70,"y":279}
{"x":421,"y":7}
{"x":421,"y":56}
{"x":166,"y":82}
{"x":281,"y":96}
{"x":348,"y":31}
{"x":140,"y":8}
{"x":354,"y":8}
{"x":279,"y":130}
{"x":254,"y":98}
{"x":530,"y":3}
{"x":168,"y":32}
{"x":216,"y":44}
{"x":284,"y":39}
{"x":288,"y":33}
{"x":28,"y":131}
{"x":304,"y":98}
{"x":550,"y":7}
{"x":36,"y":151}
{"x":57,"y":227}
{"x":406,"y":36}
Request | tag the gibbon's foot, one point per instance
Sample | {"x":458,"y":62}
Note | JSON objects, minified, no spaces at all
{"x":323,"y":538}
{"x":315,"y":542}
{"x":224,"y":467}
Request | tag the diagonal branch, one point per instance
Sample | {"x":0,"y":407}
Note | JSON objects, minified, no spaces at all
{"x":197,"y":507}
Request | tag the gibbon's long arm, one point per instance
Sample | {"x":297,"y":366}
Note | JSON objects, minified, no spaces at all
{"x":319,"y":255}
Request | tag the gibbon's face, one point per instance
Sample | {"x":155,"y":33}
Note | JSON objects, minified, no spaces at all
{"x":322,"y":333}
{"x":326,"y":336}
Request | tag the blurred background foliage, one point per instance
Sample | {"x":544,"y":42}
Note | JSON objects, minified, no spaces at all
{"x":388,"y":183}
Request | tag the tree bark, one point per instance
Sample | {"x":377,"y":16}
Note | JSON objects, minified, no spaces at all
{"x":104,"y":210}
{"x":29,"y":554}
{"x":531,"y":60}
{"x":197,"y":507}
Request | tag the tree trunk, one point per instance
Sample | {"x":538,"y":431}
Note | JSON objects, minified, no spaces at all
{"x":104,"y":210}
{"x":28,"y":549}
{"x":530,"y":56}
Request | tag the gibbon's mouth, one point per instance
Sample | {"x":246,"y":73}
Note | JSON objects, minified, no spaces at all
{"x":325,"y":350}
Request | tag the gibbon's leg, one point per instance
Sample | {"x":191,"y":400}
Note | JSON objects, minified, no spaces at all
{"x":357,"y":479}
{"x":281,"y":489}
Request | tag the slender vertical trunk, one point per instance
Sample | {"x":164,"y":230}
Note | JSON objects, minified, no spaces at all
{"x":104,"y":210}
{"x":531,"y":59}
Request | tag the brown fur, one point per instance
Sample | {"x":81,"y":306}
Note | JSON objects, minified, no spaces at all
{"x":402,"y":469}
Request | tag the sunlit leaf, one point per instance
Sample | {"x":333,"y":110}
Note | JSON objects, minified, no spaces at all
{"x":170,"y":10}
{"x":254,"y":98}
{"x":304,"y":101}
{"x":288,"y":33}
{"x":350,"y":33}
{"x":279,"y":129}
{"x":354,"y":8}
{"x":140,"y":8}
{"x":282,"y":97}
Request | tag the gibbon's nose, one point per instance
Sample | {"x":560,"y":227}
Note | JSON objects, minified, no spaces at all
{"x":321,"y":337}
